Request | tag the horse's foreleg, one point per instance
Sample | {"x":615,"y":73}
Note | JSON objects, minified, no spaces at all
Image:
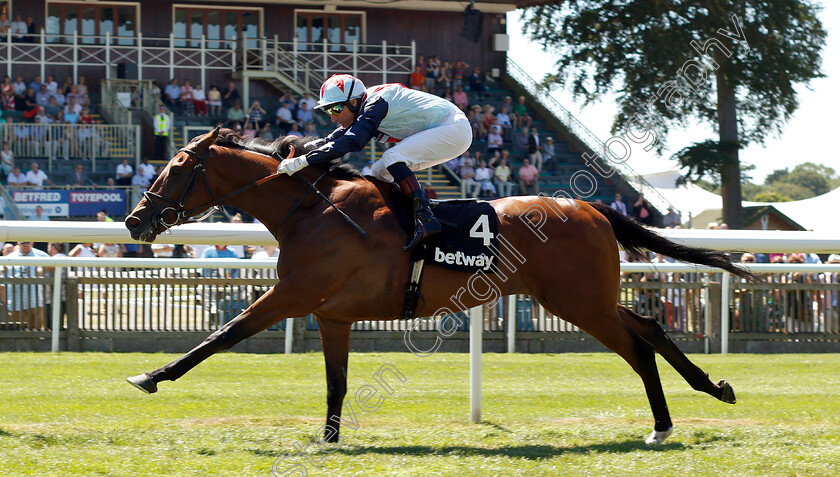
{"x":651,"y":332}
{"x":335,"y":342}
{"x":268,"y":310}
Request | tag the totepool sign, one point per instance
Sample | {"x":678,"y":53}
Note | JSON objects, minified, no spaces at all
{"x":70,"y":203}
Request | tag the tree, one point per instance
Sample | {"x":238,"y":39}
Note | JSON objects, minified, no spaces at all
{"x":751,"y":54}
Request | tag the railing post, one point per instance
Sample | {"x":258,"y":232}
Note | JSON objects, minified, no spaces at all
{"x":295,"y":60}
{"x":384,"y":61}
{"x":476,"y":327}
{"x":75,"y":57}
{"x":289,"y":335}
{"x":43,"y":52}
{"x":9,"y":55}
{"x":107,"y":55}
{"x":356,"y":58}
{"x":325,"y":63}
{"x":136,"y":145}
{"x":203,"y":61}
{"x":724,"y":313}
{"x":264,"y":54}
{"x":72,"y":333}
{"x":171,"y":55}
{"x":707,"y":315}
{"x":56,"y":307}
{"x":276,"y":51}
{"x":511,"y":321}
{"x":139,"y":46}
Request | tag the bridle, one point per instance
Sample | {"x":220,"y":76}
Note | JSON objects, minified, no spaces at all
{"x":180,"y":214}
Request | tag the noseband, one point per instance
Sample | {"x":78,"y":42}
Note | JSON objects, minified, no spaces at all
{"x":175,"y":207}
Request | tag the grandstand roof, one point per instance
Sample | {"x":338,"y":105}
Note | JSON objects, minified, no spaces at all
{"x":487,"y":6}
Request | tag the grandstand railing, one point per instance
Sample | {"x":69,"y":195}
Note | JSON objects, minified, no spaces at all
{"x":592,"y":141}
{"x":64,"y":141}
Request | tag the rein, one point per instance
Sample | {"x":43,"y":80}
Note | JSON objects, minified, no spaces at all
{"x":183,"y":215}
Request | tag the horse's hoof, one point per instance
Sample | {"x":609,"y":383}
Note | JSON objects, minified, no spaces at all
{"x":728,"y":395}
{"x":658,"y":437}
{"x":143,"y":382}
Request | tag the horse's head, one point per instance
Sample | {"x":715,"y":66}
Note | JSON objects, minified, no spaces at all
{"x":177,"y":194}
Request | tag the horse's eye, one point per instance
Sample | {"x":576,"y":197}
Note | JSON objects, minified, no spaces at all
{"x":176,"y":170}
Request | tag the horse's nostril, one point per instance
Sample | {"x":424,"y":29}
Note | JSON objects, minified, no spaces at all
{"x":132,"y":222}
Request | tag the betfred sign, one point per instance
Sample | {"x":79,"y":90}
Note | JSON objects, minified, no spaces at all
{"x":70,"y":203}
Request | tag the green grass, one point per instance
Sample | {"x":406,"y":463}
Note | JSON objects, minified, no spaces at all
{"x":571,"y":414}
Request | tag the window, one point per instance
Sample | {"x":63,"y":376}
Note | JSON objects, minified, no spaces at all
{"x":219,"y":26}
{"x":340,"y":30}
{"x":91,"y":22}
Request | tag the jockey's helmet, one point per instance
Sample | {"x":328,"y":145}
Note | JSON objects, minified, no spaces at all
{"x":339,"y":89}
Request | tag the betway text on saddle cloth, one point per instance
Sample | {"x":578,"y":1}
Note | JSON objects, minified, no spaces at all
{"x":459,"y":258}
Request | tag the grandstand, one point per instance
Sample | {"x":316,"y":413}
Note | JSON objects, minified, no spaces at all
{"x":123,"y":48}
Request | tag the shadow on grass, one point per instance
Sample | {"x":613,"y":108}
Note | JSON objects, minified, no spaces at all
{"x":523,"y":452}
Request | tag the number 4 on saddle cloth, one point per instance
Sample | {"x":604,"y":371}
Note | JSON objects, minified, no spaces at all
{"x":468,"y":242}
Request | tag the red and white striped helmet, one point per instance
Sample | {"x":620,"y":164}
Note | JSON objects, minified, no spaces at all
{"x":340,"y":89}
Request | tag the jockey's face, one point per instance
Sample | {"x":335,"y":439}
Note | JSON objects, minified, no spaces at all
{"x":346,"y":117}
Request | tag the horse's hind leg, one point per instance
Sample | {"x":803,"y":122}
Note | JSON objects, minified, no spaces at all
{"x":608,"y":328}
{"x":651,"y":332}
{"x":335,"y":343}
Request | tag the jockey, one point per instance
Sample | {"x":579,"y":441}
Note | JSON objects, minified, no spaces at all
{"x":427,"y":130}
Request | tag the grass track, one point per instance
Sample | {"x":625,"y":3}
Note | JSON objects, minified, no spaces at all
{"x":73,"y":414}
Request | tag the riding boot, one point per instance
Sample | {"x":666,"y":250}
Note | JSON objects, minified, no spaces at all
{"x":425,"y":223}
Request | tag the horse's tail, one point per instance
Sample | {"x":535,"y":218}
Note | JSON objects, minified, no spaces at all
{"x":634,"y":237}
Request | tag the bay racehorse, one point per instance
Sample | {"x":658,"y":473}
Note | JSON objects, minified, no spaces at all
{"x":565,"y":255}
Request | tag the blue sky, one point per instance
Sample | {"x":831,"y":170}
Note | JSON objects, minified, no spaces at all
{"x":808,"y":136}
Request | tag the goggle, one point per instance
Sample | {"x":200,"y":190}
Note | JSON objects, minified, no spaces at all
{"x":335,"y":109}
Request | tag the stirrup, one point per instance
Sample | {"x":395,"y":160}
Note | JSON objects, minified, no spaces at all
{"x":421,"y":232}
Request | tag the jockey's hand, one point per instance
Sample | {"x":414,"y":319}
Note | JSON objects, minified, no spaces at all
{"x":290,"y":166}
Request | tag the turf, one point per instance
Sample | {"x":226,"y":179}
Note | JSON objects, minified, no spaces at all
{"x":72,"y":414}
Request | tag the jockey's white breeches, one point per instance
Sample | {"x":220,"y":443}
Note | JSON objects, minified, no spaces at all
{"x":428,"y":148}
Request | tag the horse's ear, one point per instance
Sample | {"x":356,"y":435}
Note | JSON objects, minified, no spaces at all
{"x":208,"y":140}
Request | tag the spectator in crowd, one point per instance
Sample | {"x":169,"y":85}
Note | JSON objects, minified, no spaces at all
{"x":110,"y":250}
{"x":430,"y":193}
{"x":199,"y":101}
{"x":256,"y":114}
{"x":36,"y":177}
{"x":265,"y":133}
{"x":458,"y":70}
{"x":172,"y":95}
{"x":467,"y":173}
{"x":502,"y":176}
{"x":266,"y":251}
{"x":162,"y":123}
{"x":249,"y":129}
{"x":528,"y":178}
{"x":308,"y":100}
{"x":124,"y":173}
{"x":447,"y":95}
{"x":30,"y":107}
{"x":619,"y":205}
{"x":79,"y":177}
{"x":459,"y":97}
{"x":367,"y":170}
{"x":284,"y":118}
{"x":42,"y":116}
{"x":85,"y":117}
{"x":477,"y":84}
{"x":503,"y":120}
{"x":51,"y":85}
{"x":18,"y":29}
{"x":67,"y":86}
{"x":523,"y":119}
{"x":444,"y":80}
{"x":672,"y":218}
{"x":186,"y":99}
{"x":82,"y":250}
{"x":7,"y":159}
{"x":39,"y":215}
{"x":146,"y":170}
{"x":103,"y":216}
{"x":487,"y":118}
{"x":494,"y":139}
{"x":26,"y":301}
{"x":5,"y":28}
{"x":220,"y":251}
{"x":16,"y":178}
{"x":42,"y":97}
{"x":484,"y":176}
{"x":295,"y":131}
{"x":534,"y":153}
{"x":72,"y":107}
{"x":35,"y":84}
{"x":416,"y":80}
{"x":230,"y":96}
{"x":432,"y":73}
{"x":19,"y":89}
{"x":475,"y":125}
{"x":642,"y":210}
{"x":521,"y":139}
{"x":421,"y":62}
{"x":548,"y":154}
{"x":304,"y":115}
{"x":310,"y":130}
{"x":138,"y":179}
{"x":82,"y":92}
{"x":52,"y":108}
{"x":156,"y":90}
{"x":7,"y":94}
{"x":214,"y":100}
{"x":130,"y":250}
{"x":163,"y":250}
{"x":31,"y":30}
{"x":235,"y":114}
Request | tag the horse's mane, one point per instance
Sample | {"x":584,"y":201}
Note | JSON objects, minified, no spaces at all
{"x":280,"y":147}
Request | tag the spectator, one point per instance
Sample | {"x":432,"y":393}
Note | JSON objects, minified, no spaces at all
{"x":31,"y":30}
{"x":19,"y":89}
{"x":642,"y":210}
{"x":494,"y":139}
{"x":52,"y":108}
{"x":430,"y":193}
{"x":416,"y":80}
{"x":469,"y":185}
{"x":155,"y":90}
{"x":503,"y":119}
{"x":459,"y":97}
{"x":5,"y":28}
{"x":67,"y":86}
{"x":230,"y":96}
{"x":672,"y":218}
{"x":249,"y":129}
{"x":186,"y":99}
{"x":367,"y":170}
{"x":484,"y":176}
{"x":523,"y":119}
{"x":85,"y":117}
{"x":42,"y":97}
{"x":83,"y":250}
{"x":619,"y":205}
{"x":172,"y":95}
{"x":36,"y":83}
{"x":265,"y":133}
{"x":199,"y":101}
{"x":163,"y":250}
{"x":79,"y":178}
{"x":477,"y":84}
{"x":534,"y":153}
{"x":521,"y":140}
{"x":504,"y":187}
{"x":102,"y":216}
{"x":472,"y":117}
{"x":308,"y":100}
{"x":39,"y":215}
{"x":458,"y":70}
{"x":304,"y":115}
{"x":310,"y":131}
{"x":36,"y":177}
{"x":266,"y":251}
{"x":82,"y":92}
{"x":72,"y":107}
{"x":432,"y":74}
{"x":139,"y":179}
{"x":256,"y":114}
{"x":18,"y":29}
{"x":220,"y":251}
{"x":444,"y":79}
{"x":162,"y":124}
{"x":235,"y":114}
{"x":528,"y":178}
{"x":16,"y":178}
{"x":284,"y":118}
{"x":30,"y":107}
{"x":26,"y":301}
{"x":214,"y":100}
{"x":548,"y":154}
{"x":7,"y":159}
{"x":146,"y":170}
{"x":447,"y":95}
{"x":124,"y":173}
{"x":109,"y":250}
{"x":51,"y":85}
{"x":295,"y":131}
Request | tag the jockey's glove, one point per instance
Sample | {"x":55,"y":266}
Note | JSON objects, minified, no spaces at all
{"x":290,"y":166}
